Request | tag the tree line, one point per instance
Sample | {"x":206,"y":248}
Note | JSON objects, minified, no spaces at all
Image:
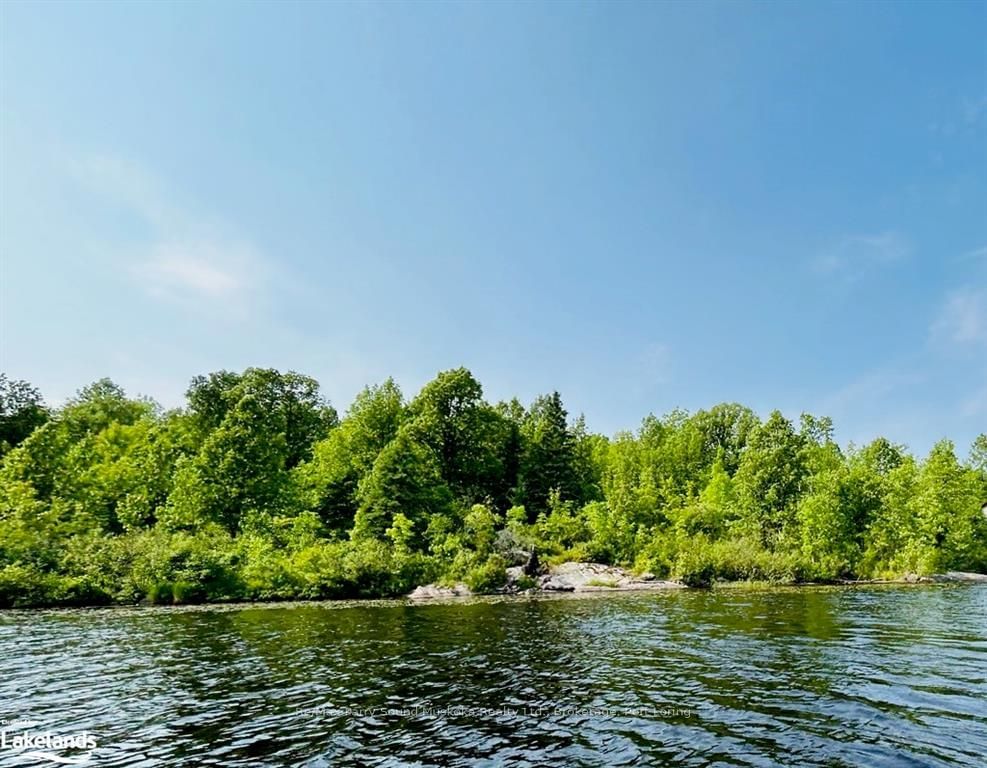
{"x":258,"y":489}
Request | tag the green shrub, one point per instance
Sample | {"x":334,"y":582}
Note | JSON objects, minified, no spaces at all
{"x":700,"y":562}
{"x":489,"y":576}
{"x":25,"y":585}
{"x":525,"y":583}
{"x":696,"y":568}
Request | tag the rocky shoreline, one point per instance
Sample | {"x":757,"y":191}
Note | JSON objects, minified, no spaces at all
{"x":596,"y":577}
{"x":950,"y":577}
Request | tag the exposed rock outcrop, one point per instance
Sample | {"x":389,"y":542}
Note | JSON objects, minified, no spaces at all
{"x":429,"y":591}
{"x":960,"y":577}
{"x":594,"y":577}
{"x":567,"y":577}
{"x":949,"y":577}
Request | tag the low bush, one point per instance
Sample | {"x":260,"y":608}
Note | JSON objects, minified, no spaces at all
{"x":488,"y":576}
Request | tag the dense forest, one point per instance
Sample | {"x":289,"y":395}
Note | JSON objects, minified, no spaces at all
{"x":257,"y":489}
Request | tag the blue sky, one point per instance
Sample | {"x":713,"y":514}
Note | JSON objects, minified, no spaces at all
{"x":644,"y":206}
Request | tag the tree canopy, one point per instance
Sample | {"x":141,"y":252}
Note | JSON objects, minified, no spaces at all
{"x":256,"y":489}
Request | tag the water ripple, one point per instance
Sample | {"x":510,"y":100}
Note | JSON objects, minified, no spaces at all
{"x":814,"y":677}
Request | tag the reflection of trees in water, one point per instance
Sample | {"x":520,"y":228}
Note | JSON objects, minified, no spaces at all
{"x":769,"y":673}
{"x":215,"y":682}
{"x":732,"y":657}
{"x":247,"y":680}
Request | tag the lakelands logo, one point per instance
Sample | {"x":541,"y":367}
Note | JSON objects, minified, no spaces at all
{"x":45,"y":745}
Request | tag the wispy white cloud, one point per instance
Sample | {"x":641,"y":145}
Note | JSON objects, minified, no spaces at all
{"x":976,"y":253}
{"x":963,"y":319}
{"x":854,"y":256}
{"x":868,"y":390}
{"x":200,"y":269}
{"x":893,"y":401}
{"x":962,"y":117}
{"x":128,"y":185}
{"x":187,"y":256}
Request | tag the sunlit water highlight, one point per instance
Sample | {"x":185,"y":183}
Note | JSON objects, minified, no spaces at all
{"x":893,"y":676}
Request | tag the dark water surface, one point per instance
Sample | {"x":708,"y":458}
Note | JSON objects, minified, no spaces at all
{"x":789,"y":677}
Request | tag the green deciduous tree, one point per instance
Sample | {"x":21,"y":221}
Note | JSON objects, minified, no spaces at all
{"x":240,"y":472}
{"x":466,"y":434}
{"x":723,"y":432}
{"x":770,"y":478}
{"x":327,"y":483}
{"x":21,"y":412}
{"x":257,"y":491}
{"x":947,"y":508}
{"x":294,"y":398}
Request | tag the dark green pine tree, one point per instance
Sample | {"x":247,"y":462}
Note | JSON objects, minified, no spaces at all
{"x":548,"y":460}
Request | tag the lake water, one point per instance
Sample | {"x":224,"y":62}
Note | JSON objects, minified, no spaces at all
{"x":866,"y":676}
